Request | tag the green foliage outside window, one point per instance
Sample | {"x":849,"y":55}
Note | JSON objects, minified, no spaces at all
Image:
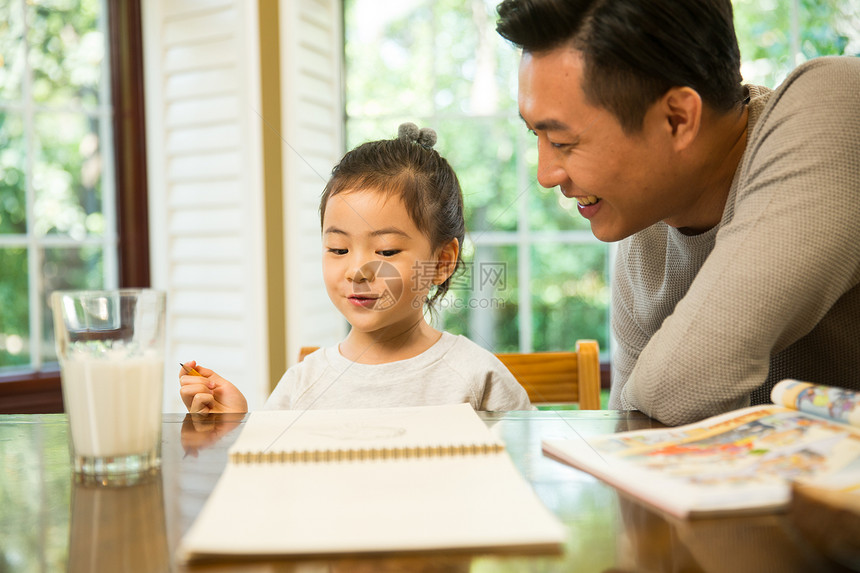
{"x":440,"y":63}
{"x":54,"y":150}
{"x":434,"y":62}
{"x":775,"y":35}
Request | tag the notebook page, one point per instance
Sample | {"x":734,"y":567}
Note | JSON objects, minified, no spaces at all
{"x":469,"y":502}
{"x":273,"y":431}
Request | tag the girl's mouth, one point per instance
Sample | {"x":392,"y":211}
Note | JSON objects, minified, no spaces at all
{"x":362,"y":301}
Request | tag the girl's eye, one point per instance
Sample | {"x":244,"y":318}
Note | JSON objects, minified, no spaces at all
{"x":338,"y":251}
{"x":389,"y":252}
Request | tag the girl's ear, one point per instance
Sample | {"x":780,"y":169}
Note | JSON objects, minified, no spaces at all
{"x":447,"y":261}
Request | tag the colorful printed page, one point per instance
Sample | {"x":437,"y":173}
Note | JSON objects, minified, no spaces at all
{"x":743,"y":460}
{"x":838,"y":404}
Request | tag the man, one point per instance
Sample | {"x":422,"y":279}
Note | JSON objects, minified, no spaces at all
{"x":737,"y":207}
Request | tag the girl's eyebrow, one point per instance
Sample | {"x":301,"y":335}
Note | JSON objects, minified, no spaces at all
{"x":389,"y":231}
{"x":386,"y":231}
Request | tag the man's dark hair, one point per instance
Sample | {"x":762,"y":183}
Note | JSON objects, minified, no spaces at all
{"x":635,"y":50}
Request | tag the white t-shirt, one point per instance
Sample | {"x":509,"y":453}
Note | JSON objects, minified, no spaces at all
{"x":452,"y":371}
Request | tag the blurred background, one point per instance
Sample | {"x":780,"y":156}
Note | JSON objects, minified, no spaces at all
{"x":183,"y":145}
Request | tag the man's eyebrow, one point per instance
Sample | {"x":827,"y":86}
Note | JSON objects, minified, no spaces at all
{"x":547,"y":125}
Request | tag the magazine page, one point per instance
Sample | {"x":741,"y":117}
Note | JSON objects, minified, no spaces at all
{"x":743,"y":460}
{"x":840,"y":404}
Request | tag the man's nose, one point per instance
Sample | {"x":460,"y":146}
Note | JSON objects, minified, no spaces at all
{"x":550,"y":170}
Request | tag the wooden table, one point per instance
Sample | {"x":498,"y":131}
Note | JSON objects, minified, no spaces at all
{"x":49,"y":522}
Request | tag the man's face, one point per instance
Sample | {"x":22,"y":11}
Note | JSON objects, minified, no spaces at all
{"x":623,"y":183}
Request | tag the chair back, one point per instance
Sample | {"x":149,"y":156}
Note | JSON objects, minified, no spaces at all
{"x":559,"y":377}
{"x":550,"y":377}
{"x":305,"y":350}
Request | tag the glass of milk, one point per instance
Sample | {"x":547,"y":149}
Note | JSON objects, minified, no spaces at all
{"x":110,"y":345}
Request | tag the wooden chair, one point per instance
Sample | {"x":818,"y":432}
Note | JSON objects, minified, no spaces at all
{"x":550,"y":377}
{"x":305,"y":350}
{"x":559,"y":377}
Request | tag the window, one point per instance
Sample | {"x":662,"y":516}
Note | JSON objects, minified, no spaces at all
{"x":775,"y":36}
{"x":536,"y":278}
{"x":68,"y":107}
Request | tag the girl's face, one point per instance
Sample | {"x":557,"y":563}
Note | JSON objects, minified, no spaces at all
{"x":377,"y":266}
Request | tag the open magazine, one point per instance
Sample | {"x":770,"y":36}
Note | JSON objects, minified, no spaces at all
{"x":742,"y":461}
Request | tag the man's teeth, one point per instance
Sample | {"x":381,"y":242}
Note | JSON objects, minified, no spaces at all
{"x":590,"y":200}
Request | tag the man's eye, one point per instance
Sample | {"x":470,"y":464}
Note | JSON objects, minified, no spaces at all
{"x":561,"y":146}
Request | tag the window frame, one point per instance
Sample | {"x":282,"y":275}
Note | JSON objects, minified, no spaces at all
{"x":39,"y":391}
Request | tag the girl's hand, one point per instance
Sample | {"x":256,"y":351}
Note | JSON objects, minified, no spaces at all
{"x":209,"y":392}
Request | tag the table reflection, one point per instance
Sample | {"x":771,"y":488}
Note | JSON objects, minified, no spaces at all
{"x":50,"y":522}
{"x":724,"y":544}
{"x":118,"y":528}
{"x":201,"y":431}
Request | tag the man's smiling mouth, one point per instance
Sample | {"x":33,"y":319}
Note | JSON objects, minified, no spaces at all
{"x":587,"y":200}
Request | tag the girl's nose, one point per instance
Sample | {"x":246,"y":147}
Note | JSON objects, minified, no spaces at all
{"x":363,"y":273}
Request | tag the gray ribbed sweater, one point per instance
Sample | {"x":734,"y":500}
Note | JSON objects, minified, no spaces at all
{"x":706,"y":324}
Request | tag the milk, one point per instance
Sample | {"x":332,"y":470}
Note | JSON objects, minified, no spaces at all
{"x":113,"y":403}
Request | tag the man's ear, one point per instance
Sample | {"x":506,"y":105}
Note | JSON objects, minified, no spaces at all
{"x":682,"y":109}
{"x":447,"y":261}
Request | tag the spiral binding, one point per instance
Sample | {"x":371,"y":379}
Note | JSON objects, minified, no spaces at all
{"x":322,"y":456}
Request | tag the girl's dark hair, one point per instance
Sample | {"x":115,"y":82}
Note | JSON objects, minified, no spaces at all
{"x":636,"y":50}
{"x":423,"y":180}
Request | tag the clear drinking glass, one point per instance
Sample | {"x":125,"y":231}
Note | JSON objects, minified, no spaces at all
{"x":110,"y":345}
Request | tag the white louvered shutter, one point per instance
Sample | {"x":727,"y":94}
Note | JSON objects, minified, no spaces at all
{"x":312,"y":133}
{"x":205,"y":187}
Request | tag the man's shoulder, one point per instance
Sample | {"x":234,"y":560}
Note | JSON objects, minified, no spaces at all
{"x":838,"y":65}
{"x":826,"y":77}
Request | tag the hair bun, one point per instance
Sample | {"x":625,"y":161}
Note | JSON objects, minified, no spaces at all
{"x":409,"y":132}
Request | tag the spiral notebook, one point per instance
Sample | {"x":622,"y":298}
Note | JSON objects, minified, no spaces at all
{"x":321,"y":482}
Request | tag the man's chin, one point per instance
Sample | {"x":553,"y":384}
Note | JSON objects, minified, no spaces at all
{"x":606,"y":235}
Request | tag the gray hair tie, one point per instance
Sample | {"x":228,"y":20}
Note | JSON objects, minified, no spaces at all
{"x":409,"y":132}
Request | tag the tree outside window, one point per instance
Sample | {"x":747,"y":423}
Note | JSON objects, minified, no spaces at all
{"x":57,"y":222}
{"x":535,"y":279}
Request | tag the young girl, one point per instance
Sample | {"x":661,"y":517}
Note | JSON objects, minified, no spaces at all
{"x":392,"y":228}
